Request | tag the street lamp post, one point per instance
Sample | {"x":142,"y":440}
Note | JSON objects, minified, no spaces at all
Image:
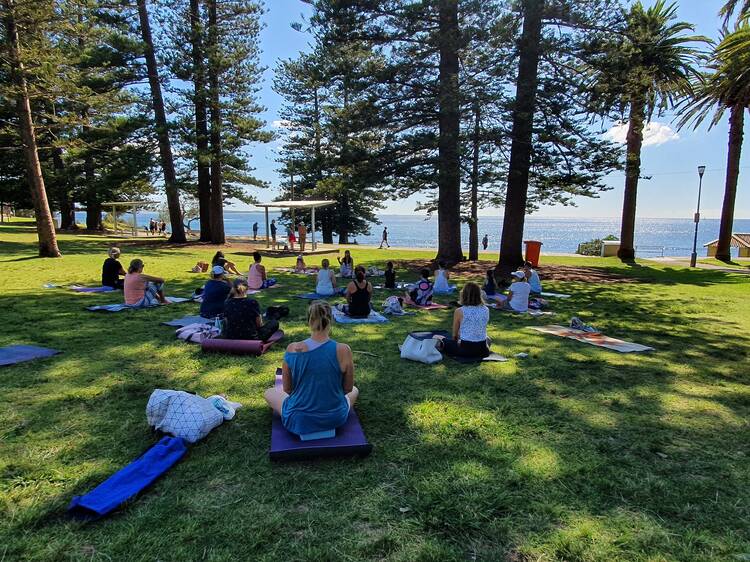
{"x":697,"y":218}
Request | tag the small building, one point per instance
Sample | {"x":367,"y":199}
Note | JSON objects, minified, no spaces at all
{"x":741,"y":241}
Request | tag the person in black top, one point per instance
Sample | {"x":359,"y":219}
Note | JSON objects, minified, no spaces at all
{"x":255,"y":231}
{"x":358,"y":295}
{"x":485,"y":242}
{"x":228,"y":266}
{"x":273,"y":233}
{"x":390,"y":276}
{"x":242,"y":316}
{"x":112,"y":269}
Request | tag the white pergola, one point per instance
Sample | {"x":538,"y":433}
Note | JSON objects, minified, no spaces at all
{"x":312,"y":205}
{"x":133,"y":205}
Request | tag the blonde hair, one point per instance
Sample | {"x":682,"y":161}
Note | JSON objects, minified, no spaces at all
{"x":319,"y":316}
{"x":471,"y":295}
{"x":239,"y":288}
{"x":114,"y":252}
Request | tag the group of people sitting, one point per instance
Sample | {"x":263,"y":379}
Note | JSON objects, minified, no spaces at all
{"x":525,"y":284}
{"x":138,"y":288}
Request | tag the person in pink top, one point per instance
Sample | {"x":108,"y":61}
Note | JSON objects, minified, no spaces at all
{"x":140,"y":289}
{"x":256,"y":277}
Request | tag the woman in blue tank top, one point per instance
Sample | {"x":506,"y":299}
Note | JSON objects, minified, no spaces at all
{"x":317,"y":379}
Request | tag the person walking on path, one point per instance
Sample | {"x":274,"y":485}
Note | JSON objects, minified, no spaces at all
{"x":485,"y":242}
{"x":255,"y":231}
{"x":302,"y":231}
{"x":385,"y":239}
{"x":273,"y":233}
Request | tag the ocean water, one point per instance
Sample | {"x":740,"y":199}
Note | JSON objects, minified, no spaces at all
{"x":653,"y":237}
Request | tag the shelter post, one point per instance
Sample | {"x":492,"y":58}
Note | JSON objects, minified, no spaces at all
{"x":312,"y":227}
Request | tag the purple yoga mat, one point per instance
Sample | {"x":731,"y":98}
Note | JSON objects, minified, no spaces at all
{"x":102,"y":289}
{"x":350,"y":440}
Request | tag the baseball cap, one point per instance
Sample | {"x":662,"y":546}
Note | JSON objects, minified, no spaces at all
{"x":518,"y":274}
{"x":218,"y":270}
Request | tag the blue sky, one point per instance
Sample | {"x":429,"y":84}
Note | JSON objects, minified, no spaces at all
{"x":670,"y":157}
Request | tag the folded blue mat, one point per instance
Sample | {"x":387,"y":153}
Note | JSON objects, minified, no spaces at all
{"x":129,"y":481}
{"x":316,"y":296}
{"x":18,"y":353}
{"x":373,"y":318}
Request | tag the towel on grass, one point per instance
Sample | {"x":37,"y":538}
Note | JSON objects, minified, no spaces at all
{"x":594,"y":338}
{"x":19,"y":353}
{"x":187,"y":320}
{"x":373,"y":318}
{"x":121,"y":306}
{"x":128,"y":481}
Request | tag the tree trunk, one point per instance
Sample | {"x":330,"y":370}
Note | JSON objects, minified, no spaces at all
{"x":511,"y":255}
{"x":474,"y":219}
{"x":93,"y":202}
{"x":736,"y":123}
{"x":449,"y":175}
{"x":67,"y":206}
{"x":201,"y":123}
{"x":343,"y":219}
{"x":217,"y":196}
{"x":45,"y":225}
{"x":162,"y":131}
{"x":93,"y":211}
{"x":634,"y":141}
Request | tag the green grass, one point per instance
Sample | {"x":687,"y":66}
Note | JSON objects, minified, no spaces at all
{"x":576,"y":453}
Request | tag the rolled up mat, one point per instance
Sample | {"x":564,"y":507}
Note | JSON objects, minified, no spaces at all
{"x":128,"y":481}
{"x":349,"y":441}
{"x":240,"y":347}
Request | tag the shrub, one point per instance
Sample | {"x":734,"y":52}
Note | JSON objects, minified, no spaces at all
{"x":593,"y":247}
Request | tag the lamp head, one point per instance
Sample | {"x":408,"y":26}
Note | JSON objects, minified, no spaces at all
{"x":701,"y":169}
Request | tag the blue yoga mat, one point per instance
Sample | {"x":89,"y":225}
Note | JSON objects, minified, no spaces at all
{"x":187,"y":320}
{"x":316,"y":296}
{"x":19,"y":353}
{"x":129,"y":481}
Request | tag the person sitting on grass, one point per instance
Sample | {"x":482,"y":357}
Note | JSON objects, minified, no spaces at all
{"x":517,"y":299}
{"x":441,"y":279}
{"x":490,"y":287}
{"x":532,"y":277}
{"x":347,"y":264}
{"x":317,"y":379}
{"x":325,"y":282}
{"x":300,"y":267}
{"x":242,"y":317}
{"x":142,"y":290}
{"x":215,"y":293}
{"x":256,"y":277}
{"x":112,"y":269}
{"x":421,"y":294}
{"x":390,"y":276}
{"x":469,"y":326}
{"x":227,"y":265}
{"x":358,"y":295}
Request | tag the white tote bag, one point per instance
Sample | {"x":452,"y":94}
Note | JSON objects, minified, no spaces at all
{"x":422,"y":350}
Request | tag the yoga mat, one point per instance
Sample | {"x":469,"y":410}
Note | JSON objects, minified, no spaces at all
{"x":555,"y":295}
{"x":128,"y":481}
{"x":350,"y":440}
{"x":187,"y":320}
{"x":593,"y":338}
{"x":432,"y":306}
{"x":316,"y":296}
{"x":529,"y":312}
{"x":82,"y":289}
{"x":241,"y":347}
{"x":19,"y":353}
{"x":373,"y":318}
{"x":492,"y":357}
{"x":121,"y":306}
{"x":451,"y":289}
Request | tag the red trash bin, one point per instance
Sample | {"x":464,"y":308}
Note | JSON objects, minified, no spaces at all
{"x":533,"y":249}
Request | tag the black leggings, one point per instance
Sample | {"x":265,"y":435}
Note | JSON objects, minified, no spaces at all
{"x":466,"y":348}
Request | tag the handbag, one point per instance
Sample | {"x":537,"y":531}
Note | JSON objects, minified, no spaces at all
{"x":422,"y":350}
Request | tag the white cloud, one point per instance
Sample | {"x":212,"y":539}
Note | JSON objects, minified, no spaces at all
{"x":281,"y":124}
{"x":654,"y":133}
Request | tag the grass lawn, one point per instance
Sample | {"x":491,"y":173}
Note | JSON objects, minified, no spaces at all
{"x":575,"y":453}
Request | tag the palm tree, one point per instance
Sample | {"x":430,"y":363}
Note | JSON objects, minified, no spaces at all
{"x":726,"y":86}
{"x":729,"y":8}
{"x":648,"y":69}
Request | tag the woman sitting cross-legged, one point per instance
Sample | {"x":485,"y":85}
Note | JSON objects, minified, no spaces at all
{"x":358,"y":295}
{"x":215,"y":293}
{"x":325,"y":282}
{"x":469,"y":326}
{"x":228,"y":266}
{"x":112,"y":269}
{"x":517,"y":299}
{"x":421,"y":294}
{"x":140,"y":289}
{"x":256,"y":277}
{"x":242,"y":316}
{"x":317,"y":379}
{"x":347,"y":264}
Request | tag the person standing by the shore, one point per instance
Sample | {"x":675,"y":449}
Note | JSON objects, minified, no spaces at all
{"x":302,"y":231}
{"x":385,"y":239}
{"x":255,"y":231}
{"x":273,"y":233}
{"x":485,"y":242}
